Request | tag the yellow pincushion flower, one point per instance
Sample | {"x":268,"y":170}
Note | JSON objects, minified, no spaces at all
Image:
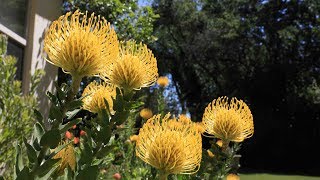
{"x":228,"y":121}
{"x":146,"y":113}
{"x":94,"y":95}
{"x":68,"y":158}
{"x":233,"y":177}
{"x":163,"y":81}
{"x":135,"y":68}
{"x":80,"y":44}
{"x":172,"y":146}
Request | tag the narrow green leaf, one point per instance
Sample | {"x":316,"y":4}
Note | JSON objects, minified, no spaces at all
{"x":36,"y":145}
{"x":71,"y":114}
{"x":46,"y":167}
{"x":68,"y":174}
{"x":38,"y":131}
{"x":19,"y":161}
{"x":55,"y":113}
{"x":39,"y":117}
{"x":53,"y":98}
{"x":65,"y":127}
{"x":104,"y":151}
{"x":51,"y":139}
{"x":24,"y":174}
{"x":90,"y":172}
{"x":74,"y":105}
{"x":120,"y":117}
{"x":32,"y":155}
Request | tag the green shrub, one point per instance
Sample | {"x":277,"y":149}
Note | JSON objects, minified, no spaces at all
{"x":16,"y":110}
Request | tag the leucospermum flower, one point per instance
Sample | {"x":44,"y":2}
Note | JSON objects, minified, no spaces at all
{"x":80,"y":44}
{"x":233,"y":177}
{"x":163,"y":81}
{"x":94,"y":95}
{"x":172,"y":146}
{"x":228,"y":121}
{"x":146,"y":113}
{"x":135,"y":68}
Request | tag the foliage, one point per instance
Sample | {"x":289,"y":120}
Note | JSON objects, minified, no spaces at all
{"x":130,"y":20}
{"x":16,"y":110}
{"x":265,"y":52}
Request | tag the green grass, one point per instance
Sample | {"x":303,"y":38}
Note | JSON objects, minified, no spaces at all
{"x":276,"y":177}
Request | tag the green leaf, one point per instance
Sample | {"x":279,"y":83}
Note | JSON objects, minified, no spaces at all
{"x":136,"y":104}
{"x":90,"y":172}
{"x":53,"y":98}
{"x":19,"y":162}
{"x":55,"y":113}
{"x":120,"y":117}
{"x":36,"y":145}
{"x":86,"y":153}
{"x":104,"y":151}
{"x":71,"y":114}
{"x":38,"y":131}
{"x":104,"y":135}
{"x":74,"y":105}
{"x":61,"y":94}
{"x":32,"y":155}
{"x":51,"y":139}
{"x":118,"y":103}
{"x":38,"y":116}
{"x":47,"y":167}
{"x":68,"y":174}
{"x":65,"y":127}
{"x":24,"y":174}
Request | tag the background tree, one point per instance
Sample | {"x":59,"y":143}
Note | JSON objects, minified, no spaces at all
{"x":266,"y":52}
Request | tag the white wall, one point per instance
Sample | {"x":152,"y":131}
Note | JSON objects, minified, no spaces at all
{"x":39,"y":16}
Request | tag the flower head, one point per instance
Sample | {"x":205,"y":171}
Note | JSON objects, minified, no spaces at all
{"x":146,"y":113}
{"x":94,"y":95}
{"x":80,"y":44}
{"x":233,"y":177}
{"x":135,"y":68}
{"x":172,"y":146}
{"x":163,"y":81}
{"x":228,"y":121}
{"x":68,"y":158}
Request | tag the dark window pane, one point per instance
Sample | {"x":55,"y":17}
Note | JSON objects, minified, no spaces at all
{"x":16,"y":50}
{"x":13,"y":15}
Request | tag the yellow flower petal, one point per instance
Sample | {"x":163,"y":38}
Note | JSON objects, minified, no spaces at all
{"x":172,"y":146}
{"x":146,"y":113}
{"x":228,"y":121}
{"x":135,"y":68}
{"x":80,"y":44}
{"x":94,"y":95}
{"x":163,"y":81}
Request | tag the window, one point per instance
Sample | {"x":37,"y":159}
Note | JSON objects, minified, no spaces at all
{"x":13,"y":24}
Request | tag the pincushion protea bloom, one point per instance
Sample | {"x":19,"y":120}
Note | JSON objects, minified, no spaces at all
{"x":172,"y":146}
{"x":94,"y":95}
{"x":228,"y":121}
{"x":233,"y":177}
{"x":81,"y":45}
{"x":163,"y":81}
{"x":146,"y":113}
{"x":135,"y":68}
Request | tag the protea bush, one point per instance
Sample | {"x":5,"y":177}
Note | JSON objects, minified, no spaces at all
{"x":94,"y":136}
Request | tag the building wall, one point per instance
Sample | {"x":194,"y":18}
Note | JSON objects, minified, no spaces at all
{"x":40,"y":15}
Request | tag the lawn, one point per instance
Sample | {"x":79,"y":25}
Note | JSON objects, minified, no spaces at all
{"x":276,"y":177}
